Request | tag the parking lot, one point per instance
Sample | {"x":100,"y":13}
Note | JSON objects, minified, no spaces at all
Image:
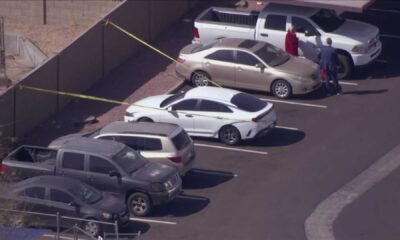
{"x":266,"y":188}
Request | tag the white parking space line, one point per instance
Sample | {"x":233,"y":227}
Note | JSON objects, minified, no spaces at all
{"x":151,"y":221}
{"x":192,"y":198}
{"x":288,"y":128}
{"x":214,"y":173}
{"x":384,"y":10}
{"x":294,"y":103}
{"x":61,"y":237}
{"x":389,"y":36}
{"x":348,"y":83}
{"x":231,"y":149}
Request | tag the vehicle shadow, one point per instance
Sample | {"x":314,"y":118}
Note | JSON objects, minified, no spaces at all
{"x":366,"y":92}
{"x":277,"y":137}
{"x":182,"y":206}
{"x":134,"y":227}
{"x":204,"y":178}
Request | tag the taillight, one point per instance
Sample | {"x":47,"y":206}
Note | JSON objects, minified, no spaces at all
{"x":175,"y":159}
{"x":196,"y":33}
{"x":3,"y":169}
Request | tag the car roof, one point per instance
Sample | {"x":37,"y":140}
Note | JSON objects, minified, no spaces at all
{"x":103,"y":147}
{"x":291,"y":9}
{"x":160,"y":129}
{"x":239,"y":43}
{"x":49,"y":181}
{"x":216,"y":93}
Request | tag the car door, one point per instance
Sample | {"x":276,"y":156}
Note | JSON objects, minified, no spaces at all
{"x":34,"y":200}
{"x":211,"y":116}
{"x":181,"y":114}
{"x":274,"y":31}
{"x":251,"y":73}
{"x":60,"y":201}
{"x":220,"y":65}
{"x":99,"y":174}
{"x":73,"y":165}
{"x":309,"y":38}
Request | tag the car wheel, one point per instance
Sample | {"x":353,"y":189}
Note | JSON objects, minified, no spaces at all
{"x":145,"y":119}
{"x":92,"y":228}
{"x":200,"y":79}
{"x":281,"y":89}
{"x":345,"y":66}
{"x":229,"y":135}
{"x":139,"y":204}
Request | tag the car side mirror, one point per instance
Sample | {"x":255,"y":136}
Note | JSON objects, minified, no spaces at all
{"x":170,"y":109}
{"x":116,"y":174}
{"x":308,"y":33}
{"x":260,"y":66}
{"x":75,"y":205}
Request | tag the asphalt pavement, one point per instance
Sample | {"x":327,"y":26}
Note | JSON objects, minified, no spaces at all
{"x":266,"y":188}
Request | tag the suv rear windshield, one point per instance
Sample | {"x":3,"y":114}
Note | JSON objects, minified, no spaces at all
{"x":247,"y":102}
{"x":181,"y":140}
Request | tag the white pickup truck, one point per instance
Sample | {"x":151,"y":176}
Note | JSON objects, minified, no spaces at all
{"x":357,"y":42}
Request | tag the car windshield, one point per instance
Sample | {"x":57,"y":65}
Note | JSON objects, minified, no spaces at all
{"x":172,"y":99}
{"x":328,"y":20}
{"x":86,"y":193}
{"x":247,"y":102}
{"x":129,"y":160}
{"x":272,"y":55}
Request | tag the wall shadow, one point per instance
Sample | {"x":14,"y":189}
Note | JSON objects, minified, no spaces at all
{"x":204,"y":178}
{"x":182,"y":206}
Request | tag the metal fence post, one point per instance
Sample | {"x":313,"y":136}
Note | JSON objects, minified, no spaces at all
{"x":58,"y":226}
{"x":116,"y":230}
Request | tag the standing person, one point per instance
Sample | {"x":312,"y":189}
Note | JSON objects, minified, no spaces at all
{"x":292,"y":42}
{"x":329,"y":60}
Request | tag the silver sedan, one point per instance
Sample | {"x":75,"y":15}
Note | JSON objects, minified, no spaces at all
{"x":248,"y":64}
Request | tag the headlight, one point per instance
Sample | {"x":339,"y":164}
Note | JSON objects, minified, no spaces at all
{"x":157,"y":187}
{"x":106,"y":215}
{"x":360,"y":49}
{"x":129,"y":114}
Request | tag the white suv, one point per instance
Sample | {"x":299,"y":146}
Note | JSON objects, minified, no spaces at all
{"x":160,"y":142}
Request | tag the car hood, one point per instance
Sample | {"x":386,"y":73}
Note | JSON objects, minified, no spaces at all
{"x":154,"y":173}
{"x":298,"y":66}
{"x":111,"y":204}
{"x":56,"y":144}
{"x":356,"y":30}
{"x":153,"y":102}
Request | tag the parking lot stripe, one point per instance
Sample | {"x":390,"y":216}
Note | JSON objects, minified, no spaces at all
{"x":231,"y":149}
{"x":151,"y":221}
{"x":294,"y":103}
{"x":214,"y":173}
{"x":348,"y":83}
{"x":54,"y":236}
{"x":383,"y":10}
{"x":390,"y":36}
{"x":192,"y":198}
{"x":289,"y":128}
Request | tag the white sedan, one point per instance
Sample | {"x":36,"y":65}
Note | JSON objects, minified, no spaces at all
{"x":226,"y":114}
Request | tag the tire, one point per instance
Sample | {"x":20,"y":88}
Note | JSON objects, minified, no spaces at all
{"x":281,"y":89}
{"x":229,"y":135}
{"x":139,"y":204}
{"x":200,"y":79}
{"x":91,"y":228}
{"x":345,"y":66}
{"x":145,"y":119}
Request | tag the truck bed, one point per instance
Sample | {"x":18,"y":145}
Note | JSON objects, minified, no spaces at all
{"x":36,"y":155}
{"x":230,"y":16}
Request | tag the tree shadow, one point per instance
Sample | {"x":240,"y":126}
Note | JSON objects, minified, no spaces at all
{"x":277,"y":137}
{"x":203,"y":178}
{"x":183,"y":205}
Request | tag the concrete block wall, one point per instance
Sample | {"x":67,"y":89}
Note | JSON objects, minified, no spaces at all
{"x":90,"y":57}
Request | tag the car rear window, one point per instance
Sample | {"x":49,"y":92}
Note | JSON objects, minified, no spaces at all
{"x":247,"y":102}
{"x":181,"y":140}
{"x":203,"y":47}
{"x":172,"y":99}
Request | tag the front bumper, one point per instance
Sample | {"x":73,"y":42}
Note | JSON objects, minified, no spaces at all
{"x":161,"y":198}
{"x":364,"y":59}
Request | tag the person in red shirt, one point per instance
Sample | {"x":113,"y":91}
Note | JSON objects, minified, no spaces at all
{"x":292,"y":42}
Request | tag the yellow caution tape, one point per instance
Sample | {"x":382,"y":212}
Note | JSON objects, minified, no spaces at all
{"x":107,"y":21}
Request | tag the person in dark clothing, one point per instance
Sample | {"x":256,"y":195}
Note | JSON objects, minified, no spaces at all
{"x":292,"y":42}
{"x":329,"y":60}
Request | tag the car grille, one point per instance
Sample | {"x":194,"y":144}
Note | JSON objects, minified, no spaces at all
{"x":173,"y":182}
